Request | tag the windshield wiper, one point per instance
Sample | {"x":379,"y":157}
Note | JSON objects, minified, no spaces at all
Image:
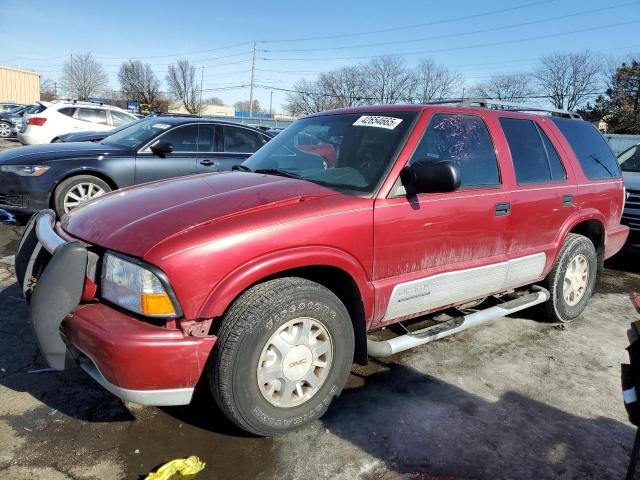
{"x":241,"y":168}
{"x":277,"y":171}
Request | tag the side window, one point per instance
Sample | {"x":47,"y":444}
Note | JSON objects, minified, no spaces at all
{"x":630,"y":160}
{"x":206,"y":135}
{"x":93,"y":115}
{"x":558,"y":172}
{"x":240,"y":140}
{"x":589,"y":146}
{"x":118,"y":118}
{"x":68,"y":111}
{"x":464,"y":140}
{"x":529,"y":147}
{"x":183,"y":139}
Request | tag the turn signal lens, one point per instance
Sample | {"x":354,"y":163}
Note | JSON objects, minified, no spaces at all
{"x":156,"y":304}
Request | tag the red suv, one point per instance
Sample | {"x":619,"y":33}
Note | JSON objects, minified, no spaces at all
{"x":264,"y":282}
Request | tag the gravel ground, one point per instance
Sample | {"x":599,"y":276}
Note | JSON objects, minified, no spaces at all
{"x":514,"y":399}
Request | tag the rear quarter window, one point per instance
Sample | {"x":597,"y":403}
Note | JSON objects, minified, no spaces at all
{"x":592,"y":150}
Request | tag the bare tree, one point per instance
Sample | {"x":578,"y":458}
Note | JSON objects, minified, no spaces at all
{"x":48,"y":90}
{"x":569,"y":79}
{"x":243,"y":106}
{"x":389,"y":80}
{"x":509,"y":87}
{"x":344,"y":87}
{"x":139,"y":83}
{"x":213,"y":101}
{"x":433,"y":81}
{"x":183,"y":85}
{"x":83,"y":77}
{"x":308,"y":97}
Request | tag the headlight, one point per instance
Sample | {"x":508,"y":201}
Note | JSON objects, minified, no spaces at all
{"x":131,"y":285}
{"x":24,"y":170}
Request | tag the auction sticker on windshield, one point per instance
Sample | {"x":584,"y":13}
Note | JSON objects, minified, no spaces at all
{"x":161,"y":126}
{"x":376,"y":121}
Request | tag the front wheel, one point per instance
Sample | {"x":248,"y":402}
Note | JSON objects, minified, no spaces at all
{"x":284,"y":350}
{"x":74,"y":191}
{"x":572,"y":279}
{"x":5,"y":130}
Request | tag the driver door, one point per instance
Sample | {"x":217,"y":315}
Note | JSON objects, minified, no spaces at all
{"x":437,"y":249}
{"x":181,"y":161}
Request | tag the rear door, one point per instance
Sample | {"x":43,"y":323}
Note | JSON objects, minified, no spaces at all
{"x":544,"y":189}
{"x":438,"y":249}
{"x":181,"y":161}
{"x":92,"y":119}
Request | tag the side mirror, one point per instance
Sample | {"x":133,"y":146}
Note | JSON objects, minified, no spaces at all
{"x":427,"y":176}
{"x":162,"y":148}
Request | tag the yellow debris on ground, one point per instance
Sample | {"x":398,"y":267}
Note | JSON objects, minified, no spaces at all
{"x":183,"y":466}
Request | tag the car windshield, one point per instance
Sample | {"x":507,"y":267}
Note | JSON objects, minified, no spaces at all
{"x":347,"y":152}
{"x":629,"y":160}
{"x":137,"y":133}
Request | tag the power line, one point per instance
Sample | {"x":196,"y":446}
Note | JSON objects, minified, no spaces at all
{"x":418,"y":25}
{"x":451,"y":49}
{"x":457,"y":34}
{"x":194,"y":52}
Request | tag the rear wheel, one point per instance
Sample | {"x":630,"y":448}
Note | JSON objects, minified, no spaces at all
{"x":284,"y":350}
{"x":74,"y":191}
{"x":5,"y":130}
{"x":572,"y":280}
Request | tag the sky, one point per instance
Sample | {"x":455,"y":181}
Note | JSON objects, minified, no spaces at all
{"x":300,"y":39}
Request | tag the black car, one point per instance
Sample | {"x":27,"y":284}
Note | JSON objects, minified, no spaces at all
{"x":63,"y":175}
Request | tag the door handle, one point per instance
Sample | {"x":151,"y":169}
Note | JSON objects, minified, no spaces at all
{"x":567,"y":200}
{"x":503,"y":209}
{"x":207,"y":163}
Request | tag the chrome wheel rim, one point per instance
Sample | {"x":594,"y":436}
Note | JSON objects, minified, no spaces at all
{"x":295,"y":362}
{"x":80,"y":193}
{"x":576,"y":280}
{"x":5,"y":130}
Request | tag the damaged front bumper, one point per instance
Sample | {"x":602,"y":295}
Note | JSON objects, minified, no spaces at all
{"x":133,"y":359}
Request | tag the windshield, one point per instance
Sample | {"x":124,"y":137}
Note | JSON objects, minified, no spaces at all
{"x":349,"y":152}
{"x":629,"y":160}
{"x":137,"y":133}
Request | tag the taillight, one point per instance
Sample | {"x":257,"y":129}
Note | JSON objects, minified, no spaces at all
{"x":37,"y":121}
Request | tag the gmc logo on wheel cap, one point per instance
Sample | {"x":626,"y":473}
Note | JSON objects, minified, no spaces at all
{"x":302,"y":361}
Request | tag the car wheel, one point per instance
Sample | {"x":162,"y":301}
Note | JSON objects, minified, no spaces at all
{"x":572,"y":279}
{"x":284,"y":351}
{"x":76,"y":190}
{"x":5,"y":130}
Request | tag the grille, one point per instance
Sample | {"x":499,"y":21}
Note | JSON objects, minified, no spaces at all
{"x":631,"y":214}
{"x":13,"y":200}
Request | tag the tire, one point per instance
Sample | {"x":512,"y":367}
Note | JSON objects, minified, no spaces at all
{"x":244,"y":341}
{"x":73,"y":186}
{"x":576,"y":250}
{"x":5,"y":130}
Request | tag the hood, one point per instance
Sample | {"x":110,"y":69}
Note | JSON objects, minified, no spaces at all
{"x":631,"y":180}
{"x":135,"y":219}
{"x":38,"y":154}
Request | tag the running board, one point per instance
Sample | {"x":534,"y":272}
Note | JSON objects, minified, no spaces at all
{"x":386,"y":348}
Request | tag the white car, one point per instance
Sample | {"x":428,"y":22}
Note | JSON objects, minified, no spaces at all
{"x":68,"y":117}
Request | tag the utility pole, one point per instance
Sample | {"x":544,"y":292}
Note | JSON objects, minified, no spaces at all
{"x":201,"y":79}
{"x":253,"y":78}
{"x":55,"y":90}
{"x":271,"y":103}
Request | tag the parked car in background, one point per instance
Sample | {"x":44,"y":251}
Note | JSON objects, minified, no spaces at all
{"x":260,"y":285}
{"x":630,"y":165}
{"x":11,"y":120}
{"x":62,"y":117}
{"x":6,"y":106}
{"x":64,"y":175}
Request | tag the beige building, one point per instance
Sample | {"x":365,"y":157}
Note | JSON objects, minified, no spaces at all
{"x":20,"y":86}
{"x":208,"y":110}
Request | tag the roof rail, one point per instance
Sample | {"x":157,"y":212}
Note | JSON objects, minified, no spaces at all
{"x":507,"y":106}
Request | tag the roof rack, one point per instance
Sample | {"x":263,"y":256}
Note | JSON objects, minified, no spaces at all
{"x":507,"y":106}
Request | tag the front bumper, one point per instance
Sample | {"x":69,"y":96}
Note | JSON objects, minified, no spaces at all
{"x":133,"y":359}
{"x":25,"y":194}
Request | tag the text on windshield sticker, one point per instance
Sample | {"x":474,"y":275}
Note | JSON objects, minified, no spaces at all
{"x":376,"y":121}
